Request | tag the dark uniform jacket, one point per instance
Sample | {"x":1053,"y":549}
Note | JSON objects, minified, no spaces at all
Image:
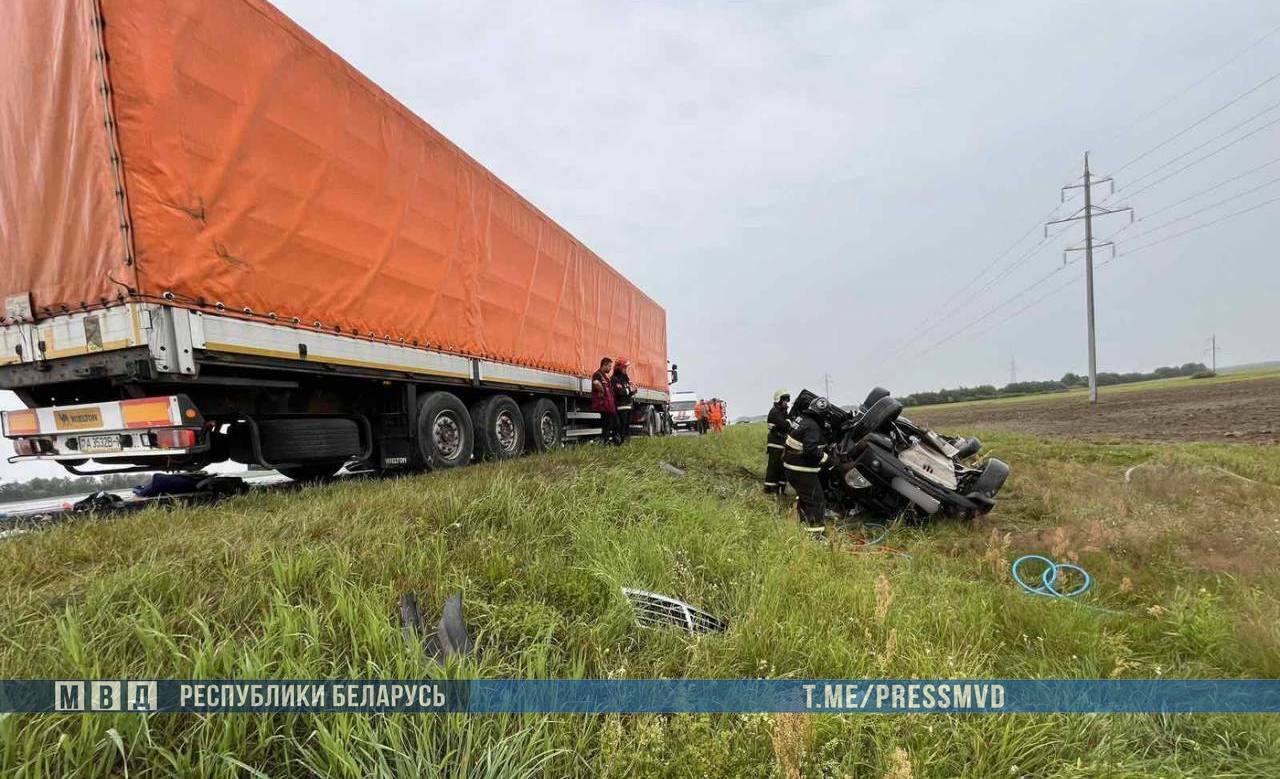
{"x":779,"y":426}
{"x":622,"y":389}
{"x":805,"y":446}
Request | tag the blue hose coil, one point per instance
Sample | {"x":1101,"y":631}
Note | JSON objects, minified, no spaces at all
{"x":874,"y":527}
{"x":1050,"y":577}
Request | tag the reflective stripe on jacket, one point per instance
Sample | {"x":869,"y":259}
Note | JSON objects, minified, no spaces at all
{"x":804,"y":446}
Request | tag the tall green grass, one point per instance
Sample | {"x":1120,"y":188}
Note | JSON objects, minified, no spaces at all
{"x":304,"y":585}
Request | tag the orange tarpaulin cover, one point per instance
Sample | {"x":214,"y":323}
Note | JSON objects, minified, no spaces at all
{"x":60,"y":236}
{"x":264,"y":172}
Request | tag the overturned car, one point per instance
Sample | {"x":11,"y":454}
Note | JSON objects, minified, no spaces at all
{"x":883,"y":464}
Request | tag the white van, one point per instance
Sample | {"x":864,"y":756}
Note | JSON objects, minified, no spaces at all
{"x":682,"y":404}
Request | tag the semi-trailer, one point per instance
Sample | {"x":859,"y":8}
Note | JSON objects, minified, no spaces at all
{"x":218,"y":240}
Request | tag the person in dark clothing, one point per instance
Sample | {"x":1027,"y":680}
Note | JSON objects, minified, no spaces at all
{"x":774,"y":479}
{"x":803,"y":458}
{"x":623,"y":392}
{"x":602,"y":400}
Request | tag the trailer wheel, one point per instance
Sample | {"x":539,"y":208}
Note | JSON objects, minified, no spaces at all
{"x":445,"y":434}
{"x":499,"y":428}
{"x":543,"y":423}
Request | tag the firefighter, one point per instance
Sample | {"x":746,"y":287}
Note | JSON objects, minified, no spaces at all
{"x":623,"y":392}
{"x":602,"y":400}
{"x":774,"y":479}
{"x":803,"y":459}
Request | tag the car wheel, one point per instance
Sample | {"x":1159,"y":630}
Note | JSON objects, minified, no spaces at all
{"x":967,"y":447}
{"x":876,"y":418}
{"x":875,"y":395}
{"x":543,"y":425}
{"x":991,"y":479}
{"x":499,"y":428}
{"x":445,"y":434}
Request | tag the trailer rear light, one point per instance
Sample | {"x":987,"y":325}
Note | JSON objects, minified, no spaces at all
{"x":28,"y":447}
{"x":179,"y":438}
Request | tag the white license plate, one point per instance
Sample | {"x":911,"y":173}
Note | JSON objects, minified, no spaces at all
{"x":97,"y":444}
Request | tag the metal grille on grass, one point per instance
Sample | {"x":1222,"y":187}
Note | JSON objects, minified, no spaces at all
{"x":658,"y":611}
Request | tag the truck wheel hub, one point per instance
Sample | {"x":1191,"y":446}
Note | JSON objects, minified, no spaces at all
{"x":446,"y":435}
{"x":505,"y":429}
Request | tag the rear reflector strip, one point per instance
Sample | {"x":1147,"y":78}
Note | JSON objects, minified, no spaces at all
{"x":146,"y":412}
{"x":25,"y":422}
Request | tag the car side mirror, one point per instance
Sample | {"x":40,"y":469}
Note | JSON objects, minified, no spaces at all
{"x":674,"y":372}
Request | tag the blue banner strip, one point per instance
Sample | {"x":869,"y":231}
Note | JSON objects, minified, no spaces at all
{"x":601,"y":696}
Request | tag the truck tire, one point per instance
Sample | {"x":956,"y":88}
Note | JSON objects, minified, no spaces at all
{"x":309,"y":440}
{"x":543,"y":425}
{"x":445,"y":435}
{"x":499,"y":428}
{"x":319,"y":472}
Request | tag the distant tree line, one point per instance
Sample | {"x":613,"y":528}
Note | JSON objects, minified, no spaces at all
{"x":57,"y":486}
{"x":1068,"y":381}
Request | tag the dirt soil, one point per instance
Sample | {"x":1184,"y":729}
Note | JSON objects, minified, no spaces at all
{"x":1241,"y":411}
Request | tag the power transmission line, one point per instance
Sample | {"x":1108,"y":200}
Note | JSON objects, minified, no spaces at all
{"x":1201,"y":120}
{"x":977,"y":295}
{"x":999,"y":257}
{"x":1201,"y":210}
{"x":1205,"y":143}
{"x":1195,"y":195}
{"x":1076,"y":279}
{"x":1211,"y":188}
{"x":990,"y":311}
{"x":943,"y":310}
{"x":1205,"y":77}
{"x":1219,"y":220}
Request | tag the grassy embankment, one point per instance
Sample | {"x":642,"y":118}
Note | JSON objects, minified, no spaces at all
{"x":303,"y":585}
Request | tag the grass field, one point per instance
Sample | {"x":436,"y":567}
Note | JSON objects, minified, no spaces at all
{"x":304,"y":585}
{"x":1178,"y":382}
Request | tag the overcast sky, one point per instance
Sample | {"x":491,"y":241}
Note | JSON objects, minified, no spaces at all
{"x":808,"y":188}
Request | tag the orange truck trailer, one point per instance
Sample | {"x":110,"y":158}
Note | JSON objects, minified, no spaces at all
{"x":218,"y":240}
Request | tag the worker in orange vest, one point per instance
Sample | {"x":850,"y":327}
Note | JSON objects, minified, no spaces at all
{"x":717,"y":415}
{"x":700,"y":416}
